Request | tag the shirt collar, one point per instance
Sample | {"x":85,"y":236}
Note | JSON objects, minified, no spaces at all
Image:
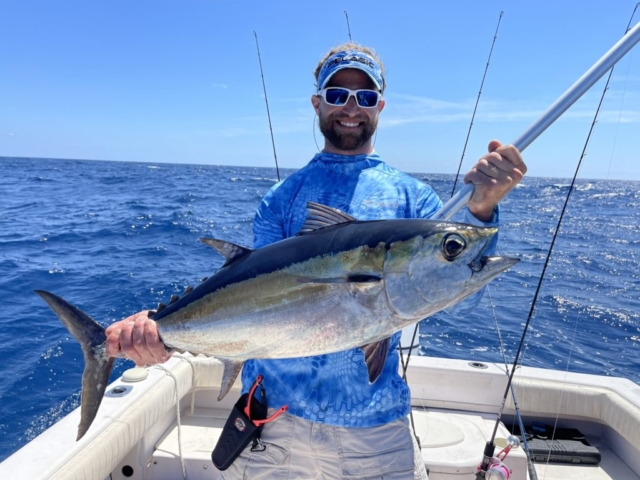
{"x":336,"y":158}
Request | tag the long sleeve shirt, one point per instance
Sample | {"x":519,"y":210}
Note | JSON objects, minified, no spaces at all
{"x":334,"y":388}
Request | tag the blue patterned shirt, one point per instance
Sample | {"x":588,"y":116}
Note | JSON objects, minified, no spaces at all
{"x":334,"y":388}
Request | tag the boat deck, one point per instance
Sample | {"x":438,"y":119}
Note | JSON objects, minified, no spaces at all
{"x":452,"y":445}
{"x":610,"y":468}
{"x":135,"y":437}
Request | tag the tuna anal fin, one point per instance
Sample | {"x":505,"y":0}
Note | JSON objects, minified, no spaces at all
{"x":231,"y":370}
{"x":97,"y":367}
{"x":375,"y":355}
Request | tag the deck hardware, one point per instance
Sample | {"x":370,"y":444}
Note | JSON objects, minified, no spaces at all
{"x":479,"y":365}
{"x":119,"y":391}
{"x":136,"y":374}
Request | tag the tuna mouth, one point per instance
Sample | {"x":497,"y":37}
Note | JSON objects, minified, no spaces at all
{"x":492,"y":266}
{"x":478,"y":264}
{"x":481,"y":260}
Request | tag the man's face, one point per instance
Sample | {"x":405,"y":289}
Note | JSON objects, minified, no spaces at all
{"x":348,"y":129}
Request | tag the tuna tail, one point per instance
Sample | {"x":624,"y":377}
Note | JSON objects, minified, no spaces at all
{"x":92,"y":338}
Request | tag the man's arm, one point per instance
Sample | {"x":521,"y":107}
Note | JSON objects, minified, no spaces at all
{"x":137,"y":337}
{"x":493,"y":177}
{"x":268,"y":224}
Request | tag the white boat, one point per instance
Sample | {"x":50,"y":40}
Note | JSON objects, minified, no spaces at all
{"x":138,"y":434}
{"x":162,"y":423}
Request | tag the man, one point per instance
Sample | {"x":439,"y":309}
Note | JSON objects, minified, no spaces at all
{"x":338,"y":425}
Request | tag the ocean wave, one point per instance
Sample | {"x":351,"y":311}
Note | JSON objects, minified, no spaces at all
{"x":114,"y":238}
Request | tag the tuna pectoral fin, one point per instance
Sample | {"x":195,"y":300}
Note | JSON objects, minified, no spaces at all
{"x":98,"y":366}
{"x":231,"y":371}
{"x":375,"y":355}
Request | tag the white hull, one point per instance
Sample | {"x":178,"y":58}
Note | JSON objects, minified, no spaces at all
{"x":135,"y":436}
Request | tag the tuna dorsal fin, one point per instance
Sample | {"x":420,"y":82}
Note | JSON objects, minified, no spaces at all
{"x":231,"y":370}
{"x":320,"y":216}
{"x":375,"y":355}
{"x":230,"y":251}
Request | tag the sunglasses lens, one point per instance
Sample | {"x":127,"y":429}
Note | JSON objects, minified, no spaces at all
{"x":340,"y":96}
{"x":367,"y":98}
{"x":336,"y":96}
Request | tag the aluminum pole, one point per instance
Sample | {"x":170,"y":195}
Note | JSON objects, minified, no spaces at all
{"x":560,"y":106}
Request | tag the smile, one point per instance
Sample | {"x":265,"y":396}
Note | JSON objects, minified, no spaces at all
{"x":348,"y":124}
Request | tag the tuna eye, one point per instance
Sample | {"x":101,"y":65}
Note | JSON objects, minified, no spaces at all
{"x":453,"y":246}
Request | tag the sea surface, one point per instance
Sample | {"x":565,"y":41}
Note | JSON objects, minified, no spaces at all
{"x":114,"y":238}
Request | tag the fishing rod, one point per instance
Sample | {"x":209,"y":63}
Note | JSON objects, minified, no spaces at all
{"x":406,"y":332}
{"x":264,"y":87}
{"x":473,"y":116}
{"x":348,"y":26}
{"x":489,"y":462}
{"x":560,"y":106}
{"x":533,"y":475}
{"x":531,"y":467}
{"x":314,"y":118}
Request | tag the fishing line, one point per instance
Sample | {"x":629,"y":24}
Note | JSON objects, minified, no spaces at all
{"x":475,"y":108}
{"x":264,"y":88}
{"x":533,"y":475}
{"x":313,"y":129}
{"x":405,"y":366}
{"x":178,"y":422}
{"x":624,"y":91}
{"x":561,"y":105}
{"x":489,"y":448}
{"x":575,"y":328}
{"x":495,"y":36}
{"x":595,"y":118}
{"x":555,"y":425}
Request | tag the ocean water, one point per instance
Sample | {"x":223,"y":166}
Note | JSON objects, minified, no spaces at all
{"x":114,"y":238}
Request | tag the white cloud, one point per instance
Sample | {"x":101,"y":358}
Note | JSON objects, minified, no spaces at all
{"x":431,"y":103}
{"x":409,"y":109}
{"x":219,"y":85}
{"x":290,"y":116}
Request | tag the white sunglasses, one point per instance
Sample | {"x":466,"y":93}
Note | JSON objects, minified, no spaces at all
{"x":339,"y":96}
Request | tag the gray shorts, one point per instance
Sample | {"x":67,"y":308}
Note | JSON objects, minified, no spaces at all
{"x":300,"y":449}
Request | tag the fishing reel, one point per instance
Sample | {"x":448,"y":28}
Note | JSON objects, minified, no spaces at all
{"x":496,"y":469}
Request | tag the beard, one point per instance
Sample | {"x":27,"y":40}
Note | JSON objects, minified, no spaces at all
{"x":343,"y":140}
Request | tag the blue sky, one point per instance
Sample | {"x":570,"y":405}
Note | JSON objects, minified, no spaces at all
{"x":179,"y":81}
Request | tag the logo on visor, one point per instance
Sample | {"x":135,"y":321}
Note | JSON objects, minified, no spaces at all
{"x":352,"y":58}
